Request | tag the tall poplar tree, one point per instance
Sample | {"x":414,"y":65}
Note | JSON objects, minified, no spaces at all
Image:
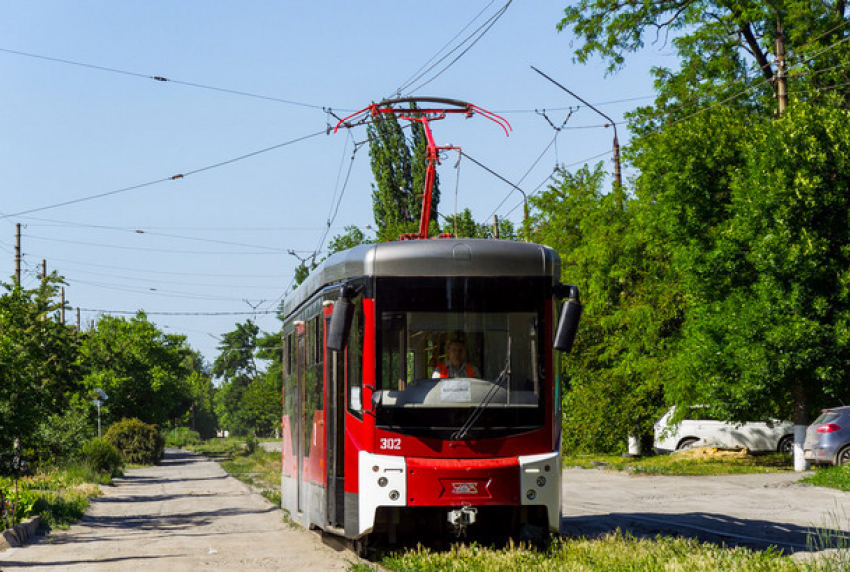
{"x":398,"y":165}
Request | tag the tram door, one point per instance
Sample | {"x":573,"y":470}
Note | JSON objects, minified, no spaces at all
{"x":299,"y":416}
{"x":335,"y":400}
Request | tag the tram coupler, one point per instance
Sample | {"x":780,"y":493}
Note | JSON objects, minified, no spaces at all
{"x":460,"y":519}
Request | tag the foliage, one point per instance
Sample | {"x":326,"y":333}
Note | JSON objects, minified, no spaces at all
{"x":228,"y":447}
{"x":138,"y":442}
{"x":39,"y":371}
{"x":695,"y":462}
{"x":832,"y":477}
{"x":144,"y":371}
{"x":102,"y":456}
{"x":60,"y":497}
{"x":352,"y":237}
{"x":181,"y":437}
{"x":59,"y":510}
{"x":770,"y":320}
{"x":725,"y":50}
{"x":398,"y":165}
{"x":248,"y":401}
{"x":19,"y":503}
{"x":258,"y":468}
{"x":614,"y":551}
{"x":631,"y":309}
{"x":58,"y":436}
{"x":463,"y":225}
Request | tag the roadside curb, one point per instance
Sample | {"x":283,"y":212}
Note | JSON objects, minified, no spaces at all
{"x":19,"y":534}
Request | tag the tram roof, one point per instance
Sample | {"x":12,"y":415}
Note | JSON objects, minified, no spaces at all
{"x":435,"y":257}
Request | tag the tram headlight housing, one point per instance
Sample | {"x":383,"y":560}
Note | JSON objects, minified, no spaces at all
{"x":393,"y":495}
{"x":531,"y":494}
{"x":382,"y":482}
{"x":541,"y":481}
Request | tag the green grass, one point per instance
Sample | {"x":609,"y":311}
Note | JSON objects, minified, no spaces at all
{"x":615,"y":551}
{"x":690,"y":463}
{"x":832,"y":477}
{"x":60,"y":495}
{"x":217,"y":448}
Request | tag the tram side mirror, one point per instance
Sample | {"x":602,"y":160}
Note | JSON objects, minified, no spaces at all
{"x":341,"y":318}
{"x":568,"y":321}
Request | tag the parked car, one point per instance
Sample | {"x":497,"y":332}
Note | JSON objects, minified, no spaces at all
{"x":828,"y":438}
{"x":700,"y":430}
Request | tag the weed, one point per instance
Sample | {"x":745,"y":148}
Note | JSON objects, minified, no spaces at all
{"x":616,"y":551}
{"x":687,"y":464}
{"x":833,"y":477}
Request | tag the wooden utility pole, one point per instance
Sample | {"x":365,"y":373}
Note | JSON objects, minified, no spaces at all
{"x":781,"y":78}
{"x":62,"y":315}
{"x":78,"y":320}
{"x":495,"y":226}
{"x":43,"y":269}
{"x":18,"y":254}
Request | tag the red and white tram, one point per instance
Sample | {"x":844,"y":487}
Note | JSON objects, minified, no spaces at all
{"x":376,"y":441}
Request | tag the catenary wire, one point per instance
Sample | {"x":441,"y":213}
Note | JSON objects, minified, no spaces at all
{"x":166,"y":179}
{"x":160,"y":79}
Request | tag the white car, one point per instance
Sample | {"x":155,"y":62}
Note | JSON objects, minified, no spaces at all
{"x":699,"y":431}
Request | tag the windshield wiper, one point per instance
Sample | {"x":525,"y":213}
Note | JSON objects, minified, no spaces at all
{"x":500,"y":382}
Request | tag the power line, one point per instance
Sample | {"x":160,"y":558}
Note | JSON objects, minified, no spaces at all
{"x":267,"y":249}
{"x":166,"y":179}
{"x":486,"y":28}
{"x":243,"y":313}
{"x":159,"y":78}
{"x":414,"y":75}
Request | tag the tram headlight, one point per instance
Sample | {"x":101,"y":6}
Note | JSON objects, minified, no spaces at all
{"x":541,"y":481}
{"x":393,"y":495}
{"x":531,"y":494}
{"x":382,"y":482}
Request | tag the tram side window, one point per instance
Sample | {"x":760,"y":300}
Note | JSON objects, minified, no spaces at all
{"x":354,"y":361}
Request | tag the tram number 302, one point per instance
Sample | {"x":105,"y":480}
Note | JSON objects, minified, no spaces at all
{"x":393,"y":444}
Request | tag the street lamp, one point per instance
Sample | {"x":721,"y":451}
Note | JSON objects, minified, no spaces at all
{"x":101,"y":397}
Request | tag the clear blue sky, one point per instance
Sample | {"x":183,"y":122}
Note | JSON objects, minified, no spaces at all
{"x":217,"y":240}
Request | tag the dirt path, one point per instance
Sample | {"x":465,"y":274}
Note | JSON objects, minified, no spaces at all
{"x":751,"y":510}
{"x":185,"y":514}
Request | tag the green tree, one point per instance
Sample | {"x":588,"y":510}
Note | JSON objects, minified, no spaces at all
{"x":39,"y":369}
{"x":725,"y":49}
{"x":144,"y":371}
{"x":463,"y":225}
{"x":632,"y":309}
{"x":398,"y":165}
{"x":769,"y":326}
{"x":248,"y":401}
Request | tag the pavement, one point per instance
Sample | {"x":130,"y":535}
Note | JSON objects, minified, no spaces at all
{"x":183,"y":514}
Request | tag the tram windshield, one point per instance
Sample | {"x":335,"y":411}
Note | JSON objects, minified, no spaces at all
{"x":460,"y":358}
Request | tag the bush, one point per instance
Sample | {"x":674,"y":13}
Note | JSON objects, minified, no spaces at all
{"x":137,"y":441}
{"x":251,"y":444}
{"x":102,"y":456}
{"x":57,"y":437}
{"x":181,"y":437}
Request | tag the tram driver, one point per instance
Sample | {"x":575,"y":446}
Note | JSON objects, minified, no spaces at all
{"x":456,"y":364}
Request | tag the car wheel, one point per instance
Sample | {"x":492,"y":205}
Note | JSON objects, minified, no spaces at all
{"x":843,"y":456}
{"x":786,"y":445}
{"x":686,"y":443}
